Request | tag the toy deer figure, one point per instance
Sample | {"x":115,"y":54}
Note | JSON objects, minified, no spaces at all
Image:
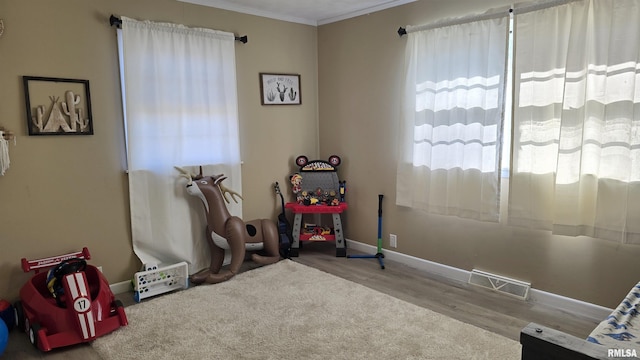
{"x":225,"y":231}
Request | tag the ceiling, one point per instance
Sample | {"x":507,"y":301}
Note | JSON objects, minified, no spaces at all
{"x":310,"y":12}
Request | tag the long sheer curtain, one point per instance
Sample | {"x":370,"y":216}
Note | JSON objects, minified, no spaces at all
{"x":180,"y":104}
{"x":449,"y":156}
{"x":576,"y":156}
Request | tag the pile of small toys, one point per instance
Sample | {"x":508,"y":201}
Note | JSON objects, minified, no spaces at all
{"x":332,"y":191}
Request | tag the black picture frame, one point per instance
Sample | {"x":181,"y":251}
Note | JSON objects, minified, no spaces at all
{"x":280,"y":89}
{"x":47,"y":114}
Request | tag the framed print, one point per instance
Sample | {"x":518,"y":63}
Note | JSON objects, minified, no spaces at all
{"x":57,"y":106}
{"x":280,"y":89}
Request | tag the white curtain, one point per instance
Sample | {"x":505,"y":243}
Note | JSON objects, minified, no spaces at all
{"x":449,"y":156}
{"x":180,"y":102}
{"x":576,"y":156}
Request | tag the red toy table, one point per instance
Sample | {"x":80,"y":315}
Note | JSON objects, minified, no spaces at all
{"x":337,"y":236}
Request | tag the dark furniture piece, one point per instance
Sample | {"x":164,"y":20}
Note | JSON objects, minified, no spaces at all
{"x":617,"y":336}
{"x":543,"y":343}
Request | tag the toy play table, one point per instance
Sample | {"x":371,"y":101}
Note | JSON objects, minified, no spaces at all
{"x":337,"y":236}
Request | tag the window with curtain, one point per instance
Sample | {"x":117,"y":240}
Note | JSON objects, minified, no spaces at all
{"x":451,"y":122}
{"x":576,"y":151}
{"x":576,"y":140}
{"x":180,"y":109}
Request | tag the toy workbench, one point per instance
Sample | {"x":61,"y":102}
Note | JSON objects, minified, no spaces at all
{"x":318,"y":191}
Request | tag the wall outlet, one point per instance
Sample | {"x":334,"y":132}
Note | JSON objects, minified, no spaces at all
{"x":393,"y":240}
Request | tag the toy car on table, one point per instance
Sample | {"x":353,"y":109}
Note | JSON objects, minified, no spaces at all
{"x":70,"y":304}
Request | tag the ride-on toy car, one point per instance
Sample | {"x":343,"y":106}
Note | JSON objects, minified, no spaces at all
{"x":70,"y":304}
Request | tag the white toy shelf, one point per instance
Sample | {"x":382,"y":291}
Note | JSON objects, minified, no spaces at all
{"x":159,"y":280}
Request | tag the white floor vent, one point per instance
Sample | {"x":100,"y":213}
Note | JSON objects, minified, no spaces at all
{"x":517,"y":288}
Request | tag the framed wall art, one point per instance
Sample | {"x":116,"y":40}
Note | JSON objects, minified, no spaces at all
{"x":280,"y":89}
{"x":57,"y":106}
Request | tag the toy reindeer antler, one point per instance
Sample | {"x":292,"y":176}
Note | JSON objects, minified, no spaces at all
{"x":186,"y":174}
{"x":218,"y":181}
{"x":189,"y":175}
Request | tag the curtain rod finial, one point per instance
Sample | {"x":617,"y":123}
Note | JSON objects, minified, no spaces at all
{"x":243,"y":39}
{"x":114,"y":20}
{"x":402,"y":31}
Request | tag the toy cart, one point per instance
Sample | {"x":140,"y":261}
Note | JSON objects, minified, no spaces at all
{"x":84,"y":309}
{"x":318,"y":191}
{"x":333,"y":235}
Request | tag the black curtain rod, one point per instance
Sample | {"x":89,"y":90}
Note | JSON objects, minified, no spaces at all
{"x":403,"y":31}
{"x":117,"y":22}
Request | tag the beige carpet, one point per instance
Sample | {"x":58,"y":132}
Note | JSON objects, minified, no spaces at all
{"x":292,"y":311}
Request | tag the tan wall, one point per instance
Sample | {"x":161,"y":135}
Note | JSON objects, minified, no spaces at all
{"x":62,"y":193}
{"x":65,"y":192}
{"x":360,"y":76}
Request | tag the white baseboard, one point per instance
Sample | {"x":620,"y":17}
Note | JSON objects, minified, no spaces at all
{"x":573,"y":306}
{"x":126,"y":286}
{"x":449,"y":272}
{"x":121,"y":287}
{"x":587,"y":310}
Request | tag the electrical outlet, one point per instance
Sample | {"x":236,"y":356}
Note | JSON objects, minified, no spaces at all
{"x":393,"y":240}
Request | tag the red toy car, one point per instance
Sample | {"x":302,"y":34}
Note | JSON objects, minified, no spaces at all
{"x":70,"y":304}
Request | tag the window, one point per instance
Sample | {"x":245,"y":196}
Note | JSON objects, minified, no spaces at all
{"x":180,"y":105}
{"x":576,"y":125}
{"x":452,"y":128}
{"x":576,"y":165}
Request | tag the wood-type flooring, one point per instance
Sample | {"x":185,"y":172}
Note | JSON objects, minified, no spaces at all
{"x":495,"y":312}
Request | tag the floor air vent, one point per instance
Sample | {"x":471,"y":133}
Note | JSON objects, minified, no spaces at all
{"x":500,"y":284}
